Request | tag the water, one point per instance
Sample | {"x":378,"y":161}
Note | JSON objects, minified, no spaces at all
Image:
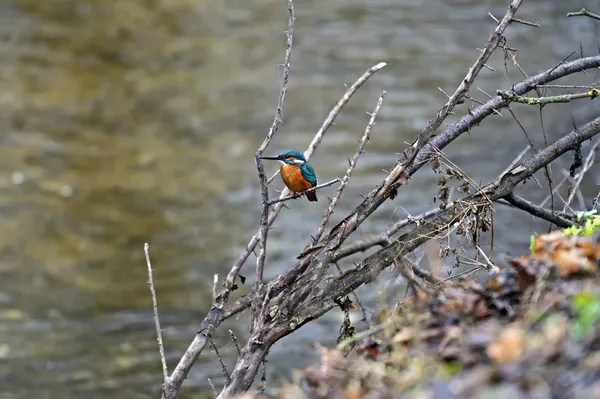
{"x":131,"y":121}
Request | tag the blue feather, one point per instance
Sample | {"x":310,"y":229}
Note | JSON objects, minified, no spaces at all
{"x":308,"y":173}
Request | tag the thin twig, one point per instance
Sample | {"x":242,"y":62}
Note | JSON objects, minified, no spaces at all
{"x":584,"y":13}
{"x":573,"y":190}
{"x":537,"y":211}
{"x":277,"y":121}
{"x":215,"y":393}
{"x":385,"y":237}
{"x":235,"y":342}
{"x":161,"y":347}
{"x":223,"y":367}
{"x":298,"y":195}
{"x":564,"y":98}
{"x":362,"y":308}
{"x":214,"y":288}
{"x":488,"y":264}
{"x":524,"y":22}
{"x":359,"y":150}
{"x":596,"y":201}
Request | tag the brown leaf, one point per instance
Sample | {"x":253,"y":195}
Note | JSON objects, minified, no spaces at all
{"x":572,"y":261}
{"x":508,"y":347}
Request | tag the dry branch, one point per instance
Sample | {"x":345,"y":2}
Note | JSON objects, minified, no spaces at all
{"x":500,"y":188}
{"x":564,"y":98}
{"x":584,"y":13}
{"x":307,"y":154}
{"x":352,"y":164}
{"x":161,"y":348}
{"x":302,"y":293}
{"x":537,"y":211}
{"x":329,"y":252}
{"x":398,"y":174}
{"x":298,"y":195}
{"x":213,"y":318}
{"x":303,"y":296}
{"x":277,"y":121}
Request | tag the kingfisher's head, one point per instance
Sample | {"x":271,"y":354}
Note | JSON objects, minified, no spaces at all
{"x":290,"y":157}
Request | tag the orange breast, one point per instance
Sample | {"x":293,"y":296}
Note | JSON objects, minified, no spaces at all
{"x":292,"y":177}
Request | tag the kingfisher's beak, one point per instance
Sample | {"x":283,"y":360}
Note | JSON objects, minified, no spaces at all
{"x":273,"y":158}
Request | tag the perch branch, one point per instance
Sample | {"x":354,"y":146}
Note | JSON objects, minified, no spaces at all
{"x":336,"y":110}
{"x":262,"y":339}
{"x":297,"y":195}
{"x":161,"y":347}
{"x":352,"y":164}
{"x":277,"y":121}
{"x":311,"y":148}
{"x":213,"y":318}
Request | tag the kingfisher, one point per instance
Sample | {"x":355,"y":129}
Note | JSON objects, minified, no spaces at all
{"x":296,"y":173}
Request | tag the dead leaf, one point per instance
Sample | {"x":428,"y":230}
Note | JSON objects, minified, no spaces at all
{"x":508,"y":347}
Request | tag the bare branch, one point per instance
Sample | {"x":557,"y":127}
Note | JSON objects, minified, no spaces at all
{"x":305,"y":296}
{"x":384,"y":238}
{"x":359,"y":150}
{"x":277,"y":121}
{"x":445,"y":137}
{"x":528,"y":23}
{"x":223,"y":367}
{"x":500,"y":188}
{"x":564,"y":98}
{"x":488,"y":264}
{"x":584,"y":13}
{"x":161,"y":347}
{"x":459,"y":93}
{"x":298,"y":195}
{"x":213,"y":319}
{"x":311,"y":148}
{"x":537,"y":211}
{"x":235,"y":341}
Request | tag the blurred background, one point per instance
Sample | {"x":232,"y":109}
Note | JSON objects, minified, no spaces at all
{"x":133,"y":121}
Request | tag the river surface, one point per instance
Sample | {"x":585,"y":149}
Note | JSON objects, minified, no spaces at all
{"x":132,"y":121}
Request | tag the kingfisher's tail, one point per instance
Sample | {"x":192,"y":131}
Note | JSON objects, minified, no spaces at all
{"x":312,"y":196}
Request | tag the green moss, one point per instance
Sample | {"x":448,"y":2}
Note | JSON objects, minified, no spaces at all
{"x":587,"y":313}
{"x":531,"y":243}
{"x":587,"y":223}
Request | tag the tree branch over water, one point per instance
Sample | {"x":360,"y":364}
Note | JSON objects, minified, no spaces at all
{"x":307,"y":289}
